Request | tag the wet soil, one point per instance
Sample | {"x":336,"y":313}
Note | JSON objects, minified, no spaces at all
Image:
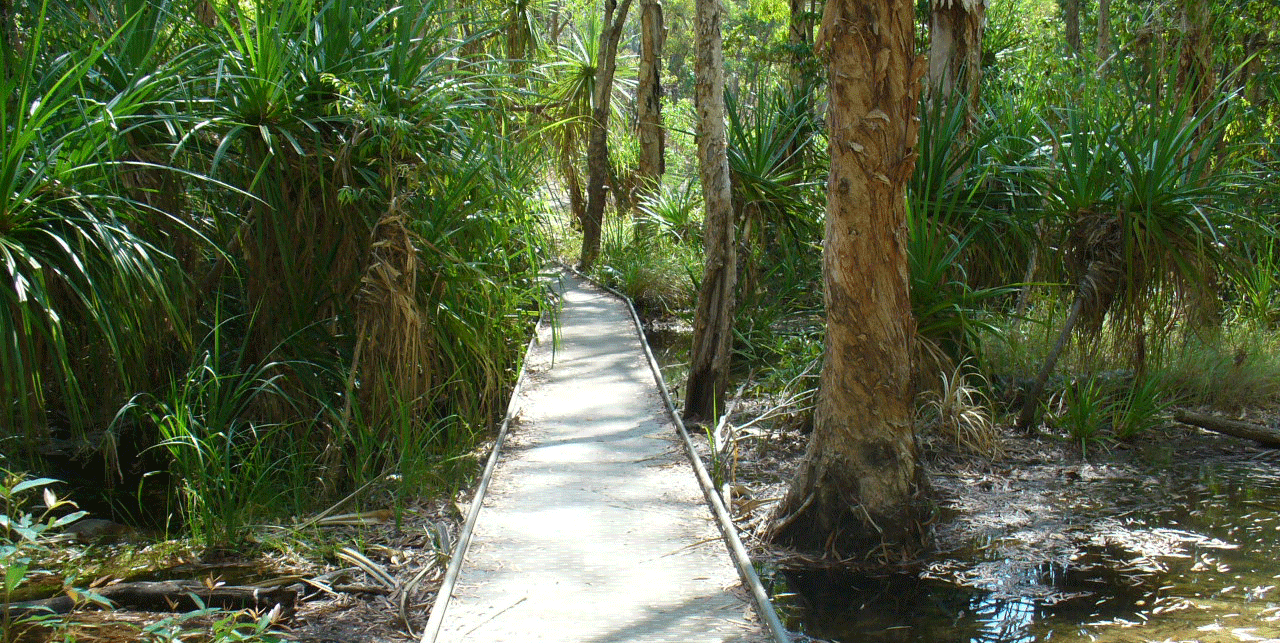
{"x":1172,"y":537}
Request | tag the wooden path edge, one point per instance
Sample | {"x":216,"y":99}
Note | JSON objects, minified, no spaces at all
{"x":741,"y":560}
{"x":445,"y":593}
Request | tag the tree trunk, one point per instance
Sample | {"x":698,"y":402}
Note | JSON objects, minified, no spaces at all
{"x":955,"y":50}
{"x":799,"y":38}
{"x":800,"y":42}
{"x":1104,"y":32}
{"x":1250,"y":88}
{"x":649,"y":97}
{"x":713,"y":319}
{"x":1071,"y":20}
{"x":852,"y":495}
{"x":1195,"y":62}
{"x":1264,"y":435}
{"x":555,"y":25}
{"x":1030,"y":414}
{"x":8,"y":39}
{"x":573,"y":185}
{"x":615,"y":15}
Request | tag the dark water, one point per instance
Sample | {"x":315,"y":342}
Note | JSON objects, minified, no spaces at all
{"x":1197,"y":560}
{"x":1191,"y":553}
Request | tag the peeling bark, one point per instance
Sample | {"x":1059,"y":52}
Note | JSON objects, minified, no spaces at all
{"x":852,"y":496}
{"x":713,"y":319}
{"x":955,"y":49}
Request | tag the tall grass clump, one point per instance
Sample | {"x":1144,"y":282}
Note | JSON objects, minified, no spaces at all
{"x":656,"y":271}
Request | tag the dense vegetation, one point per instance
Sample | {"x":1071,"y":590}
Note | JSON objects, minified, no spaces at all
{"x":278,"y":244}
{"x":1088,"y":172}
{"x":257,"y":245}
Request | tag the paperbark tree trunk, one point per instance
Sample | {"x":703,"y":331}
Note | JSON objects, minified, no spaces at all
{"x":1071,"y":23}
{"x":1104,"y":32}
{"x":853,"y":493}
{"x":615,"y":16}
{"x":649,"y":97}
{"x":955,"y":49}
{"x":713,"y":319}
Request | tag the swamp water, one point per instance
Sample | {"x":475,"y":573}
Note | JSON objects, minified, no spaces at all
{"x":1198,"y":561}
{"x":1182,"y":548}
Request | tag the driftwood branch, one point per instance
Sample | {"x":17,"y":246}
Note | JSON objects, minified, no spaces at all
{"x":167,"y":596}
{"x":1264,"y":435}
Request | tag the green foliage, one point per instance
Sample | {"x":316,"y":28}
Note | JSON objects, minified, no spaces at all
{"x":334,"y":188}
{"x":1112,"y":406}
{"x":224,"y":463}
{"x":24,"y":535}
{"x":656,"y":272}
{"x":224,"y":628}
{"x":1230,"y":368}
{"x":1141,"y":408}
{"x":1086,"y":407}
{"x":675,"y":212}
{"x":78,"y":279}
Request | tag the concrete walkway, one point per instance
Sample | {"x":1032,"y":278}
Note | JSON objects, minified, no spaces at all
{"x":594,"y":528}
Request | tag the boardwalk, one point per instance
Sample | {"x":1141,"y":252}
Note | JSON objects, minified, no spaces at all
{"x":594,"y":528}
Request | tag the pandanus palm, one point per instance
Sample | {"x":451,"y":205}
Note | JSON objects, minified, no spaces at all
{"x":1135,"y":197}
{"x":772,"y":184}
{"x":74,"y":276}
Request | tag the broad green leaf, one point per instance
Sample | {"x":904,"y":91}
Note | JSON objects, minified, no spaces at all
{"x":13,"y":576}
{"x":31,"y":484}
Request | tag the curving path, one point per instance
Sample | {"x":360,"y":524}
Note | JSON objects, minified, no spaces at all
{"x":594,"y":528}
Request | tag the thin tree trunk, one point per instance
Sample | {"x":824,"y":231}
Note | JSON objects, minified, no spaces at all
{"x":713,"y":319}
{"x":555,"y":25}
{"x":800,"y":42}
{"x":573,"y":185}
{"x":852,"y":495}
{"x":8,"y":38}
{"x":1104,"y":32}
{"x":1030,"y":414}
{"x":615,"y":15}
{"x":1195,"y":62}
{"x":649,"y":98}
{"x":955,"y":49}
{"x":1071,"y":20}
{"x":799,"y":39}
{"x":1253,"y":46}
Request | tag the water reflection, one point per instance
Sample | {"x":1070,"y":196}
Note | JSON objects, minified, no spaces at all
{"x":1183,"y":554}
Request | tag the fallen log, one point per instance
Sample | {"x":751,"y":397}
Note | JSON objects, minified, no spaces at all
{"x":1265,"y":435}
{"x":165,"y":596}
